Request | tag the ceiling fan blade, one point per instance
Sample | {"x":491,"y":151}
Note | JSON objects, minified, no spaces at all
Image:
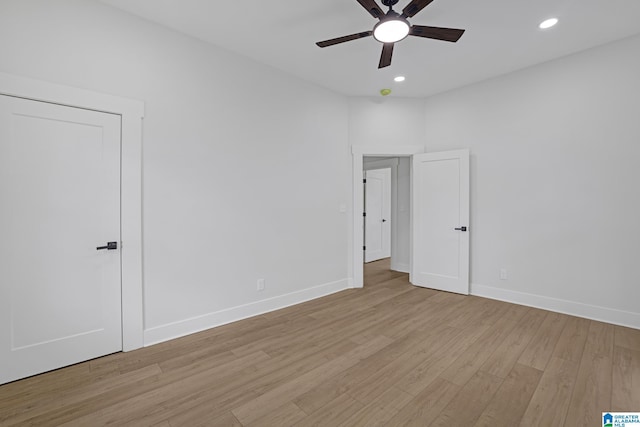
{"x":387,"y":53}
{"x":414,"y":7}
{"x":446,"y":34}
{"x":372,"y":8}
{"x":344,"y":39}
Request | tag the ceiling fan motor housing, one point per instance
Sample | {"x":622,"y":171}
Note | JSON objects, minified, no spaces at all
{"x":389,"y":3}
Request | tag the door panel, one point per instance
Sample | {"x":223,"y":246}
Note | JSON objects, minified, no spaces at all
{"x":60,"y":191}
{"x":378,"y":219}
{"x":440,"y":253}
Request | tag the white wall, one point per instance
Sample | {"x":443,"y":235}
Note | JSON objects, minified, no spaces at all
{"x":386,"y":121}
{"x":234,"y":160}
{"x":555,"y":172}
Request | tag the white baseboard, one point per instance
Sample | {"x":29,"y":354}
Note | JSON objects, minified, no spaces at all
{"x":398,"y":266}
{"x":603,"y":314}
{"x":210,"y":320}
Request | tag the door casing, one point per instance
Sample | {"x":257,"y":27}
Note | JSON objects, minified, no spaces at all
{"x":132,"y":113}
{"x":358,"y":154}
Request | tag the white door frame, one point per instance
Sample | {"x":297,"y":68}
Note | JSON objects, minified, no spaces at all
{"x":131,"y":113}
{"x":358,"y":153}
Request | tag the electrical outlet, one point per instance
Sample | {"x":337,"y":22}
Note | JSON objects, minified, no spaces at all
{"x":503,"y":274}
{"x":261,"y":284}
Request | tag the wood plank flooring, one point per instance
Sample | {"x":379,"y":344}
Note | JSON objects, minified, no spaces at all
{"x":388,"y":355}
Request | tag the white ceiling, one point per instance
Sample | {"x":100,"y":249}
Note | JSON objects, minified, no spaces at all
{"x":501,"y":36}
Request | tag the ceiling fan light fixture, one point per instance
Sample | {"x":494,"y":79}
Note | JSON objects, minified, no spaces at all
{"x":548,"y":23}
{"x":391,"y":30}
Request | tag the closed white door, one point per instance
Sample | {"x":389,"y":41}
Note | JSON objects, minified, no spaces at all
{"x":378,"y":214}
{"x":440,"y":221}
{"x":60,"y":297}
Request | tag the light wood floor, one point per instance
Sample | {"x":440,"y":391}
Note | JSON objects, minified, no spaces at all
{"x":390,"y":354}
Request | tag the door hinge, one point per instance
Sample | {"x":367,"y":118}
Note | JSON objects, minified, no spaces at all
{"x":364,"y":181}
{"x":364,"y":214}
{"x":364,"y":248}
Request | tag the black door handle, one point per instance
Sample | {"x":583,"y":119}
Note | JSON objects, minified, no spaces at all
{"x":461,"y":229}
{"x":110,"y":246}
{"x":384,"y":220}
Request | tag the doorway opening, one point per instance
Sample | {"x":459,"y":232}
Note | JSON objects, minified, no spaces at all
{"x":379,"y":158}
{"x":438,"y":241}
{"x":386,"y":218}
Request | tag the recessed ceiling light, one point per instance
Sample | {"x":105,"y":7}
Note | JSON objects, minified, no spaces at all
{"x":399,"y":79}
{"x":548,"y":23}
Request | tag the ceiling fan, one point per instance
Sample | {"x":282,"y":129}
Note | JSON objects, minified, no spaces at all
{"x":394,"y":27}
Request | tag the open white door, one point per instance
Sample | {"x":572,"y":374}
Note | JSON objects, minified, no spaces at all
{"x":440,"y":221}
{"x":378,"y":214}
{"x":60,"y":297}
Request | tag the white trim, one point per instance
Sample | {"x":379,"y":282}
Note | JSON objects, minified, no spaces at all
{"x":401,"y":267}
{"x":211,"y":320}
{"x":387,"y":150}
{"x":381,"y":164}
{"x":131,"y":112}
{"x":359,"y":152}
{"x":602,"y":314}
